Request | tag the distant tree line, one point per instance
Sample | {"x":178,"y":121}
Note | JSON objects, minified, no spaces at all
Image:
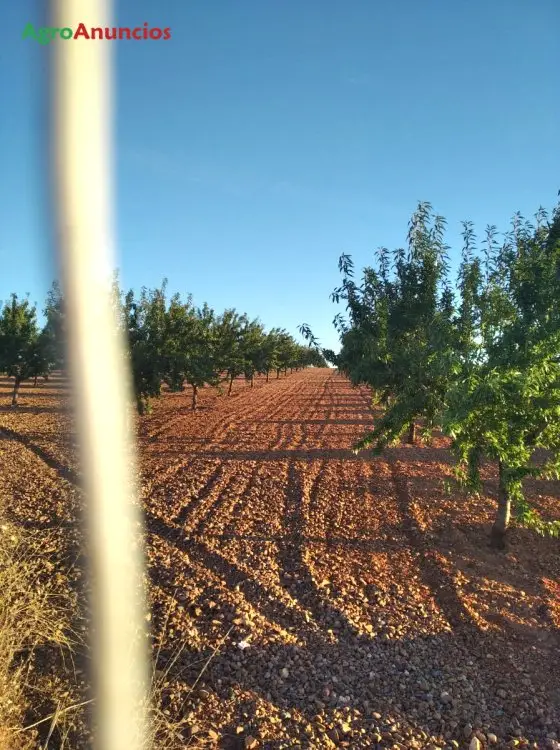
{"x":478,"y":358}
{"x":170,"y":341}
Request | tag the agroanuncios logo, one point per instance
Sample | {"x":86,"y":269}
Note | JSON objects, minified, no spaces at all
{"x":46,"y":34}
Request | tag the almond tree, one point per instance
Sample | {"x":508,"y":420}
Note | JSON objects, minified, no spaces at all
{"x":21,"y":348}
{"x":308,"y":356}
{"x":398,"y":339}
{"x":254,"y":350}
{"x":203,"y":364}
{"x":191,"y":353}
{"x":505,"y":404}
{"x":177,"y":337}
{"x":54,"y":331}
{"x":270,"y":352}
{"x":488,"y":372}
{"x":145,"y":322}
{"x":229,"y":330}
{"x":286,"y":352}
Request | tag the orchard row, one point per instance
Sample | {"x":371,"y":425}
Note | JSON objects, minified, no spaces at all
{"x":169,"y":340}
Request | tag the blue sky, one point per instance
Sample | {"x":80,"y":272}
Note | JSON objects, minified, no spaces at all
{"x":266,"y":138}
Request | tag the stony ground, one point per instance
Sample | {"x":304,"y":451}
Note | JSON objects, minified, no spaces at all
{"x":306,"y":597}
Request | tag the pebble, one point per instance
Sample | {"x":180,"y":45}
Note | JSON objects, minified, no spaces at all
{"x":334,"y":735}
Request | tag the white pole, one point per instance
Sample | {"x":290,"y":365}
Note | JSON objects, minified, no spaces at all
{"x":82,"y":143}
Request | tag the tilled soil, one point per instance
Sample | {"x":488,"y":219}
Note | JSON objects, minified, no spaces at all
{"x":303,"y":596}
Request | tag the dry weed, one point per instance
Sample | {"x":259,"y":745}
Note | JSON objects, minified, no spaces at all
{"x":33,"y":616}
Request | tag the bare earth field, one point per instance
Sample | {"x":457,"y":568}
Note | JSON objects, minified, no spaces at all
{"x":369,"y":608}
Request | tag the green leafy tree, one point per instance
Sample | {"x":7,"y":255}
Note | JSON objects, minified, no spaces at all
{"x":505,"y":404}
{"x":286,"y":352}
{"x":179,"y":321}
{"x":330,"y":356}
{"x":254,"y":349}
{"x":203,"y":363}
{"x":398,"y":338}
{"x":21,"y":347}
{"x":54,"y":331}
{"x":145,"y":324}
{"x":191,"y":352}
{"x":310,"y":357}
{"x":270,"y":351}
{"x":485,"y":367}
{"x":229,"y":332}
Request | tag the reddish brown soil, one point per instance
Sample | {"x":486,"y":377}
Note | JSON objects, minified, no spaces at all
{"x":375,"y":612}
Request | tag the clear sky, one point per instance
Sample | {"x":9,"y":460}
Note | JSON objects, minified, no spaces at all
{"x":268,"y":137}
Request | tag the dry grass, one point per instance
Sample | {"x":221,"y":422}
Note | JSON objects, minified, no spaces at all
{"x":34,"y":615}
{"x":32,"y":618}
{"x":167,"y":733}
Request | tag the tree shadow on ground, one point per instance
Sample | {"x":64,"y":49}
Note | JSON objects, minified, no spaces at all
{"x":313,"y":421}
{"x":19,"y":409}
{"x":31,"y":394}
{"x":334,"y":659}
{"x":271,"y":456}
{"x":63,"y":471}
{"x":56,"y":384}
{"x":467,"y":547}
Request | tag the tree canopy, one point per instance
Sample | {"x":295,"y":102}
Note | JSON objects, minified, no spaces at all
{"x":478,"y":358}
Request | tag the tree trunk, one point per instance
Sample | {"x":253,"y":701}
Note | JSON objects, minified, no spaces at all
{"x":291,"y":370}
{"x":252,"y":380}
{"x":35,"y":382}
{"x":15,"y":395}
{"x":474,"y":462}
{"x":194,"y":396}
{"x":411,"y":433}
{"x":141,"y":405}
{"x":499,"y":529}
{"x":267,"y":374}
{"x":277,"y":373}
{"x":230,"y":385}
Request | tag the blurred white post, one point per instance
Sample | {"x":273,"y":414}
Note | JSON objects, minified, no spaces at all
{"x":83,"y":184}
